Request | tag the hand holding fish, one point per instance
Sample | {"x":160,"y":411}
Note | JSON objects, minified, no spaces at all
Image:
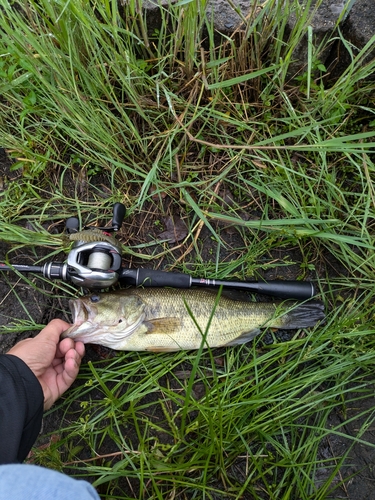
{"x":55,"y":363}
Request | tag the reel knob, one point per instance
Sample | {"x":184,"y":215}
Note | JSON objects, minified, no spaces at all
{"x":119,"y":212}
{"x":72,"y":225}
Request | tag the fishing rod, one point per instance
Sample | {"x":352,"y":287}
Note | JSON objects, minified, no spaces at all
{"x":95,"y":262}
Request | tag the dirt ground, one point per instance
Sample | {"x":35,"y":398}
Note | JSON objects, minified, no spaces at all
{"x":22,"y":301}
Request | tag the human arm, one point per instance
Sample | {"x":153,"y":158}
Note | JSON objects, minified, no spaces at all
{"x":21,"y":409}
{"x":33,"y":374}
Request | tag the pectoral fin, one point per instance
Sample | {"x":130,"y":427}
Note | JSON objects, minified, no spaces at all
{"x":244,"y":337}
{"x":166,"y":326}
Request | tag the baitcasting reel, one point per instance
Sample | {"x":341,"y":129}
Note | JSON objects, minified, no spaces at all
{"x":94,"y":260}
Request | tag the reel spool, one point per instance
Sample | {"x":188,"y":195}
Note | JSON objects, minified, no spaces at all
{"x":94,"y":265}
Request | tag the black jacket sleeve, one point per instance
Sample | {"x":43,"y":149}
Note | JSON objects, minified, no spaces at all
{"x":21,"y":409}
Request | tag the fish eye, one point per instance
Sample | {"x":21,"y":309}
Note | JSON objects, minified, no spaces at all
{"x":94,"y":298}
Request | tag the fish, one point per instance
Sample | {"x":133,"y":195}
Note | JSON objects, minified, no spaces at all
{"x":168,"y":319}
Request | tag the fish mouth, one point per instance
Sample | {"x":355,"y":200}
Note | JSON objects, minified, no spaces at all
{"x":80,"y":315}
{"x":78,"y":310}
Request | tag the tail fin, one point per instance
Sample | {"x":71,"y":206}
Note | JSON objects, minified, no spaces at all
{"x":304,"y":315}
{"x":301,"y":316}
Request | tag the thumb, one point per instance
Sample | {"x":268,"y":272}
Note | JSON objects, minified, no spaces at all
{"x":53,"y":330}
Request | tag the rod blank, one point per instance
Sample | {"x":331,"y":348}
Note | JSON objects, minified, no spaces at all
{"x":21,"y":268}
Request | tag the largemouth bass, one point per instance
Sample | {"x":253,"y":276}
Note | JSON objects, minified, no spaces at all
{"x":161,"y":319}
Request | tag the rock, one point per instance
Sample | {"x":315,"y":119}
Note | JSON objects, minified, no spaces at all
{"x":360,"y":24}
{"x":358,"y":29}
{"x":225,"y":18}
{"x":324,"y":22}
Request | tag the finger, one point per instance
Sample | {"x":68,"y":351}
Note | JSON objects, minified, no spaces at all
{"x":74,"y":351}
{"x":70,"y":372}
{"x":64,"y":346}
{"x":53,"y":330}
{"x":67,"y":369}
{"x":80,"y":348}
{"x":75,"y":356}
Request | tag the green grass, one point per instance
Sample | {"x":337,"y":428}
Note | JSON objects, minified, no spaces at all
{"x":96,"y":109}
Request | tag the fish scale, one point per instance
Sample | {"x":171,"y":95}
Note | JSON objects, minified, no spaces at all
{"x":161,"y":319}
{"x":230,"y":320}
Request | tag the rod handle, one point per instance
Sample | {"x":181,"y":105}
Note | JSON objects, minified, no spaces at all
{"x":150,"y":277}
{"x":299,"y":290}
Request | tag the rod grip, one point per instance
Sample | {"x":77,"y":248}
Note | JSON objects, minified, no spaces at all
{"x":299,"y":290}
{"x":152,"y":278}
